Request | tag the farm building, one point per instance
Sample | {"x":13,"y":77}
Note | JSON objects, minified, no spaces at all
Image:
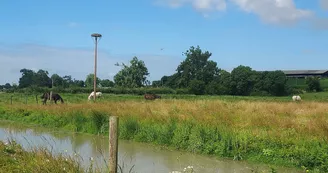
{"x":298,"y":77}
{"x":306,"y":73}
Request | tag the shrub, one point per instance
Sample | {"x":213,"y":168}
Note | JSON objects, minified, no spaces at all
{"x":313,"y":84}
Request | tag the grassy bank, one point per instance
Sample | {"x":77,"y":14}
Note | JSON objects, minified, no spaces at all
{"x":282,"y":133}
{"x":13,"y":158}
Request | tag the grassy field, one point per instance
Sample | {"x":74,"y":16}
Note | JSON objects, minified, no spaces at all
{"x":13,"y":158}
{"x":18,"y":98}
{"x":271,"y":130}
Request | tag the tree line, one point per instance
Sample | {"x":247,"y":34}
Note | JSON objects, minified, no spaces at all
{"x":196,"y":74}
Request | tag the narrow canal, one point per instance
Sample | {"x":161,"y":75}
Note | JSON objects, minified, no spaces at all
{"x":142,"y":158}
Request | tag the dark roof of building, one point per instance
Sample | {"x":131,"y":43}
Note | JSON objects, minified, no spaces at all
{"x":295,"y":72}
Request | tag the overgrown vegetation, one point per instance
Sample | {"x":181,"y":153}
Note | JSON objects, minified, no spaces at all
{"x":13,"y":158}
{"x":282,"y":133}
{"x":313,"y":84}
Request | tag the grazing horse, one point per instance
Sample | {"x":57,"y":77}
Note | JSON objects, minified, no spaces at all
{"x":151,"y":96}
{"x":98,"y":94}
{"x":54,"y":96}
{"x":297,"y":98}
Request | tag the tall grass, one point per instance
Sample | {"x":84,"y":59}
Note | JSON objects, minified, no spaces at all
{"x":282,"y":133}
{"x":13,"y":158}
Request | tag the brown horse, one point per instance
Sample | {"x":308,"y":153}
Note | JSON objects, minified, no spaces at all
{"x":54,"y":96}
{"x":151,"y":96}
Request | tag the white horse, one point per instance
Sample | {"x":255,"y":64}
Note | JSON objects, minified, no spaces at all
{"x":297,"y":98}
{"x":98,"y":94}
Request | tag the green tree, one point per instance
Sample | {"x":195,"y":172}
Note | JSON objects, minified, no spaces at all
{"x":197,"y":87}
{"x":107,"y":83}
{"x":273,"y":83}
{"x":196,"y":66}
{"x":313,"y":84}
{"x":89,"y":80}
{"x":7,"y":86}
{"x":57,"y":80}
{"x":225,"y":82}
{"x":132,"y":76}
{"x":14,"y":86}
{"x":243,"y":79}
{"x":78,"y":83}
{"x":172,"y":81}
{"x":67,"y":81}
{"x":220,"y":84}
{"x":156,"y":83}
{"x":42,"y":79}
{"x":28,"y":78}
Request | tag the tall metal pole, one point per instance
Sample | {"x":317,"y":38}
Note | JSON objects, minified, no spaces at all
{"x":97,"y":38}
{"x":95,"y":73}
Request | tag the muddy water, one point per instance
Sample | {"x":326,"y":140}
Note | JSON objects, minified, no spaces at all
{"x":144,"y":158}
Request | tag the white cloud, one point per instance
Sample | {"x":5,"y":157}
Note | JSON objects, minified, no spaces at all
{"x":269,"y":11}
{"x":199,"y":5}
{"x":324,"y":4}
{"x":274,"y":11}
{"x":76,"y":62}
{"x":72,"y":24}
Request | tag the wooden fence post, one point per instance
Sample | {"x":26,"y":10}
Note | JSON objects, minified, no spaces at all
{"x":36,"y":98}
{"x":113,"y":143}
{"x":26,"y":99}
{"x":11,"y":100}
{"x":50,"y":97}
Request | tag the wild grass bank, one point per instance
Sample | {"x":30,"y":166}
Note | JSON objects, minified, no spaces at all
{"x":281,"y":133}
{"x":13,"y":158}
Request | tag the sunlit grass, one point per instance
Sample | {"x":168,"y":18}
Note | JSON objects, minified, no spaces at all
{"x":267,"y":129}
{"x":306,"y":119}
{"x":13,"y":158}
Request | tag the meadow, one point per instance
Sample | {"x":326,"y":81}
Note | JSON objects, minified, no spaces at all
{"x":271,"y":130}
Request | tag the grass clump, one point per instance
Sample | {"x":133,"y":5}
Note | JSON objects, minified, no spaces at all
{"x":100,"y":121}
{"x":13,"y":158}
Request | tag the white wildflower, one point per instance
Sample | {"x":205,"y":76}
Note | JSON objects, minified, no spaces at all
{"x":91,"y":158}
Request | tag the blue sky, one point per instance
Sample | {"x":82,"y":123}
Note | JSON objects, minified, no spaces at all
{"x":262,"y":34}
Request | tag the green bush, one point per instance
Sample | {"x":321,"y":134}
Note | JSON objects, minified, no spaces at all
{"x":197,"y":87}
{"x":313,"y":84}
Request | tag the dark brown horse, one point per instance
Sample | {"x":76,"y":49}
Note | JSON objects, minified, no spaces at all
{"x":54,"y":96}
{"x":151,"y":96}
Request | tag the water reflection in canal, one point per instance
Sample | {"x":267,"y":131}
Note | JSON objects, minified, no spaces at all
{"x":145,"y":158}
